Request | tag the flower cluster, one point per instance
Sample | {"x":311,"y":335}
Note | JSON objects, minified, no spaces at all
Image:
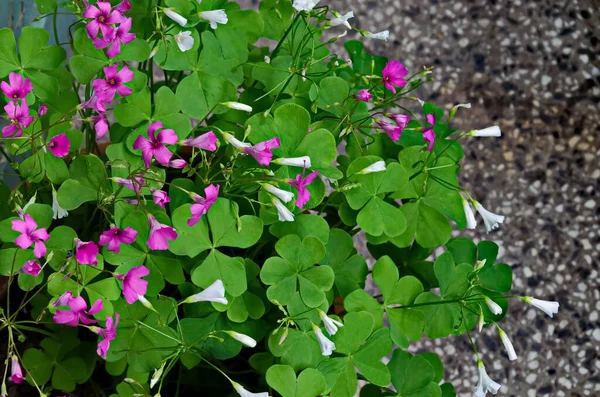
{"x":17,"y":108}
{"x":108,"y":27}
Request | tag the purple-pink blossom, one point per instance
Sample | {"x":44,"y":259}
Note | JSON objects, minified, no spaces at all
{"x":18,"y":88}
{"x":300,"y":183}
{"x":135,"y":183}
{"x":393,"y":75}
{"x":202,"y":204}
{"x":160,"y":197}
{"x":42,"y":110}
{"x":113,"y":83}
{"x":177,"y":163}
{"x":108,"y":333}
{"x":32,"y":268}
{"x":86,"y":252}
{"x":364,"y":95}
{"x":428,"y":133}
{"x":262,"y":151}
{"x":29,"y":235}
{"x":16,"y":374}
{"x":63,"y":300}
{"x":19,"y":118}
{"x":133,"y":284}
{"x":120,"y":36}
{"x":155,"y":146}
{"x":114,"y":237}
{"x":160,"y":235}
{"x":77,"y":312}
{"x":401,"y":120}
{"x":207,"y":141}
{"x":103,"y":16}
{"x":123,"y":6}
{"x":59,"y":145}
{"x":393,"y":131}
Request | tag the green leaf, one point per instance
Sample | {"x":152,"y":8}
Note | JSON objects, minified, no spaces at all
{"x":31,"y":42}
{"x":46,"y":6}
{"x":340,"y":376}
{"x":425,"y":225}
{"x":12,"y":259}
{"x":299,"y":350}
{"x":413,"y":375}
{"x":350,"y":270}
{"x":310,"y":382}
{"x":463,"y":250}
{"x":88,"y":176}
{"x":405,"y":325}
{"x":277,"y":16}
{"x":357,"y":328}
{"x":496,"y":278}
{"x":379,"y":217}
{"x":368,"y":358}
{"x":8,"y":52}
{"x":228,"y":229}
{"x":199,"y":94}
{"x":440,"y":319}
{"x":385,"y":274}
{"x":218,"y":266}
{"x":452,"y":279}
{"x":41,"y":213}
{"x":360,"y":300}
{"x":56,"y":169}
{"x":190,"y":241}
{"x":332,"y":94}
{"x":85,"y":68}
{"x":304,"y":225}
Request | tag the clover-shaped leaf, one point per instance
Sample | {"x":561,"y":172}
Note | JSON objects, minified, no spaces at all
{"x":310,"y":382}
{"x":349,"y":267}
{"x":413,"y":376}
{"x":87,"y":182}
{"x":293,"y":271}
{"x":300,"y":349}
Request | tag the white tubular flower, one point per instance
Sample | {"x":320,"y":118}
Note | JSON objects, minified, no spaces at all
{"x":283,"y":337}
{"x":327,"y":346}
{"x":305,"y":5}
{"x":244,"y":339}
{"x":471,"y":222}
{"x":153,"y":52}
{"x":213,"y":293}
{"x":31,"y":201}
{"x":486,"y":132}
{"x":379,"y":166}
{"x":146,"y":303}
{"x":490,"y":219}
{"x":510,"y":349}
{"x":485,"y":383}
{"x":283,"y":213}
{"x":245,"y":393}
{"x":385,"y":35}
{"x":342,"y":20}
{"x":331,"y":325}
{"x":170,"y":12}
{"x":214,"y":17}
{"x":157,"y":374}
{"x":493,"y":306}
{"x":236,"y":143}
{"x":238,"y":106}
{"x":548,"y":307}
{"x":281,"y":194}
{"x":303,"y":161}
{"x":184,"y":40}
{"x":59,"y":212}
{"x":481,"y":321}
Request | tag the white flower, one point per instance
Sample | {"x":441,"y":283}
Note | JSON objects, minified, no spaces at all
{"x":493,"y":306}
{"x":153,"y":52}
{"x":283,"y":336}
{"x":244,"y":339}
{"x":170,"y":12}
{"x":303,"y":161}
{"x":283,"y":213}
{"x":485,"y":383}
{"x":59,"y":212}
{"x":146,"y":303}
{"x":245,"y":393}
{"x":233,"y":141}
{"x":471,"y":222}
{"x":385,"y":35}
{"x":375,"y":167}
{"x":305,"y":5}
{"x":512,"y":355}
{"x":281,"y":194}
{"x":331,"y":325}
{"x":238,"y":106}
{"x":157,"y":374}
{"x":490,"y":131}
{"x":342,"y":20}
{"x":481,"y":321}
{"x":32,"y":201}
{"x":267,"y":59}
{"x":214,"y":17}
{"x":548,"y":307}
{"x":327,"y":346}
{"x":184,"y":40}
{"x":213,"y":293}
{"x":490,"y":219}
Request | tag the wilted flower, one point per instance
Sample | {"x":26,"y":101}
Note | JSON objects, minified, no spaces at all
{"x":305,"y":5}
{"x":245,"y":393}
{"x":108,"y":333}
{"x":428,"y":133}
{"x":160,"y":197}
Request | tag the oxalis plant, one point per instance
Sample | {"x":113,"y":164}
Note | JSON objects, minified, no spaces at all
{"x":190,"y":198}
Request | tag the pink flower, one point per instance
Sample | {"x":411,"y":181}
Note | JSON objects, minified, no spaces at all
{"x":123,"y":6}
{"x":16,"y":374}
{"x":177,"y":163}
{"x":63,"y":300}
{"x":120,"y":36}
{"x":160,"y":197}
{"x":135,"y":183}
{"x":100,"y":125}
{"x":114,"y":237}
{"x":86,"y":252}
{"x":32,"y":268}
{"x":59,"y":145}
{"x":160,"y":235}
{"x":155,"y":146}
{"x":108,"y":334}
{"x":106,"y":89}
{"x":300,"y":183}
{"x":19,"y":118}
{"x":42,"y":110}
{"x":94,"y":103}
{"x":428,"y":134}
{"x":393,"y":131}
{"x":133,"y":285}
{"x":207,"y":141}
{"x":202,"y":204}
{"x":262,"y":151}
{"x":364,"y":95}
{"x":77,"y":312}
{"x":102,"y":17}
{"x":400,"y":119}
{"x":19,"y":87}
{"x":393,"y":75}
{"x":30,"y":235}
